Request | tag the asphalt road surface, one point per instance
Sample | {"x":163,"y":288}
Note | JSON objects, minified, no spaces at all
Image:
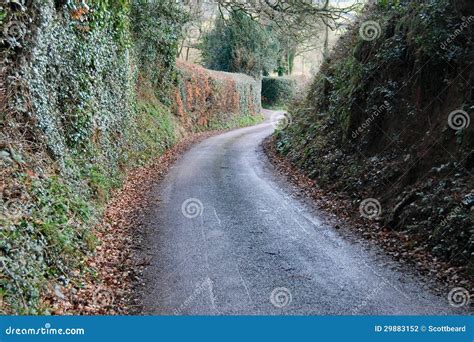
{"x":227,"y":236}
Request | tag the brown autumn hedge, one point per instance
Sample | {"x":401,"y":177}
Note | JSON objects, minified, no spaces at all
{"x":206,"y":97}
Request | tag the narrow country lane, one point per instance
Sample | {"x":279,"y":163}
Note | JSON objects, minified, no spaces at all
{"x":227,"y":237}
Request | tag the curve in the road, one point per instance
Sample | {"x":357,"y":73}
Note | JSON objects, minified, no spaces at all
{"x":228,"y":238}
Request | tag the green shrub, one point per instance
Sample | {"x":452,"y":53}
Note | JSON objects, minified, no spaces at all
{"x":277,"y":91}
{"x":240,"y":44}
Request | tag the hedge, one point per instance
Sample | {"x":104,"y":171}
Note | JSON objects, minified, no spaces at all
{"x":277,"y":90}
{"x":206,"y":97}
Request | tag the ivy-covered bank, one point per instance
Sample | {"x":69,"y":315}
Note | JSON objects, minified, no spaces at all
{"x":87,"y":93}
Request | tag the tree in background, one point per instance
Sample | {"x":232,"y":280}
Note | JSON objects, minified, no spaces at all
{"x":156,"y":29}
{"x":239,"y":44}
{"x":200,"y":13}
{"x":298,"y":18}
{"x":286,"y":54}
{"x":300,"y":25}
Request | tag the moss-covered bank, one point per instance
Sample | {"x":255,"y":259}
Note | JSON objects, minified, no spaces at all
{"x":387,"y":119}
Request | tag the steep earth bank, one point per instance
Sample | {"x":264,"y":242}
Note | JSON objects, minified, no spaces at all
{"x":386,"y":126}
